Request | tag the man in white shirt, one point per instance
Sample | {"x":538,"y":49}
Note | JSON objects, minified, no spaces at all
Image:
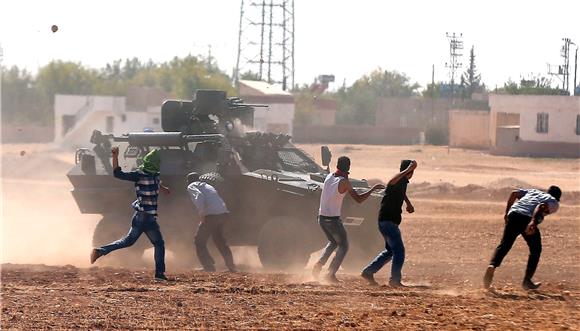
{"x":336,"y":185}
{"x":213,"y":215}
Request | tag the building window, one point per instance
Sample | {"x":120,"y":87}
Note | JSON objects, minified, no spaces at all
{"x":542,"y":123}
{"x":578,"y":125}
{"x":123,"y":117}
{"x":155,"y":120}
{"x":109,"y":124}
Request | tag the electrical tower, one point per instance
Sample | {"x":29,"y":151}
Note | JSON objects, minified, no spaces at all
{"x":563,"y":70}
{"x":266,"y":41}
{"x":455,"y":52}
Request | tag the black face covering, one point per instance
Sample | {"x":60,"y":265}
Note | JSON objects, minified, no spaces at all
{"x":405,"y":164}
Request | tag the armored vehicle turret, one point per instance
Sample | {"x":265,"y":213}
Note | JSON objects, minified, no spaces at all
{"x":271,"y":187}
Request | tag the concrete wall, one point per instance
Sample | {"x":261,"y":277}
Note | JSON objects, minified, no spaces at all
{"x":412,"y":113}
{"x":508,"y":142}
{"x":355,"y":134}
{"x":562,"y":112}
{"x":83,"y":106}
{"x":104,"y":113}
{"x":323,"y":117}
{"x":469,"y":129}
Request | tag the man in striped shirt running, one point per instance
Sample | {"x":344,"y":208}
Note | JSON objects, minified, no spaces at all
{"x":147,"y":186}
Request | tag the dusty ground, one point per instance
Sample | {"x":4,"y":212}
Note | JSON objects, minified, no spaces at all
{"x":448,"y":241}
{"x":67,"y":297}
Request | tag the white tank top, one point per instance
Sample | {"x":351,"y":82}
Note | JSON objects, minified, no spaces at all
{"x":331,"y":199}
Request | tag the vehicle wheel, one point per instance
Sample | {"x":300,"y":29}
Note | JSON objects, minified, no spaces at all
{"x":113,"y":227}
{"x":283,"y":244}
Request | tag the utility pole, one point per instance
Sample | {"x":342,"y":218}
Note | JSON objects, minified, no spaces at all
{"x":455,"y":48}
{"x":266,"y":41}
{"x":432,"y":93}
{"x":566,"y":55}
{"x":563,"y":70}
{"x":209,"y":58}
{"x":575,"y":70}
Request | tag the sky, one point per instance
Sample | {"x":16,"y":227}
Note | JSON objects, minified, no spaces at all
{"x":512,"y":38}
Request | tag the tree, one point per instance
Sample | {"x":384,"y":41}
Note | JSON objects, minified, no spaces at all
{"x":250,"y":75}
{"x":358,"y":102}
{"x":471,"y":80}
{"x":30,"y":98}
{"x":20,"y":101}
{"x":535,"y":85}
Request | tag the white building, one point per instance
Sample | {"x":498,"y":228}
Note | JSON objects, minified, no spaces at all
{"x":279,"y":116}
{"x":76,"y":116}
{"x":535,"y":125}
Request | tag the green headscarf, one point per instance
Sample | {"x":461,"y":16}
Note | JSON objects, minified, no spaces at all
{"x":151,"y":163}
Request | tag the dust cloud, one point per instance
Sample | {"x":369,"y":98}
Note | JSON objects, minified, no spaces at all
{"x":40,"y":221}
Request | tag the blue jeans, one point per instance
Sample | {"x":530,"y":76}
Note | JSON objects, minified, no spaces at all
{"x":142,"y":223}
{"x":394,"y":250}
{"x":336,"y":234}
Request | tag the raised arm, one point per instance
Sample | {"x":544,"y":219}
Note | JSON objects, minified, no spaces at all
{"x":403,"y":173}
{"x":346,"y":186}
{"x":115,"y":153}
{"x":117,"y":172}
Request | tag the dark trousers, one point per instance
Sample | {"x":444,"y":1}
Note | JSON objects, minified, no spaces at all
{"x":142,"y":223}
{"x":336,"y":234}
{"x":394,"y":250}
{"x":213,"y":226}
{"x":515,"y":226}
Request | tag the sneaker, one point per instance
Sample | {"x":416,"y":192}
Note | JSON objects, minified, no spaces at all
{"x":488,"y":277}
{"x":527,"y":284}
{"x":331,"y":278}
{"x":161,"y":277}
{"x":95,"y":254}
{"x":369,"y":278}
{"x":396,"y":283}
{"x":316,"y":269}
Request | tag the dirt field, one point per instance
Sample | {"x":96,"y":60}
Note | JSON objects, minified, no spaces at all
{"x":459,"y":198}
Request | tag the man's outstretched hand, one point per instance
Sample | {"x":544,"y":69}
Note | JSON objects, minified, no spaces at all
{"x":164,"y":189}
{"x":115,"y":151}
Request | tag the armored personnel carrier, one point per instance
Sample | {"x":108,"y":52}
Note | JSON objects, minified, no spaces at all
{"x":271,"y":187}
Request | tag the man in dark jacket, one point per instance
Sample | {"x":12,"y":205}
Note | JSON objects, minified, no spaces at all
{"x":389,"y":220}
